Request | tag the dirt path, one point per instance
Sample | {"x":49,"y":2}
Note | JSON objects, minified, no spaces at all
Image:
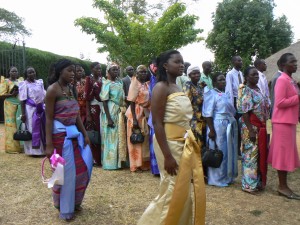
{"x":120,"y":197}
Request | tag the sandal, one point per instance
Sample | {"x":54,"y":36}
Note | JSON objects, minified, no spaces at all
{"x":289,"y":196}
{"x":252,"y":192}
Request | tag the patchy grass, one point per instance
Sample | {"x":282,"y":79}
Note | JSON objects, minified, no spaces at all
{"x":120,"y":198}
{"x":256,"y":212}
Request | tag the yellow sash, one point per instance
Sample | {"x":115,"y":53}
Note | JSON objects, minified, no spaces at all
{"x":190,"y":166}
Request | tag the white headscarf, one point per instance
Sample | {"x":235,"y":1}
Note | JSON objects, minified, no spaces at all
{"x":191,"y":68}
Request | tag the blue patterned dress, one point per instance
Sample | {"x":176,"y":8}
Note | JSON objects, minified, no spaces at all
{"x":153,"y":161}
{"x":218,"y":106}
{"x":114,"y":94}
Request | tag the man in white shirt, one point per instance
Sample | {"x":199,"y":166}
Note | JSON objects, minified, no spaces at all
{"x":234,"y":78}
{"x":261,"y":66}
{"x":273,"y":82}
{"x":181,"y":80}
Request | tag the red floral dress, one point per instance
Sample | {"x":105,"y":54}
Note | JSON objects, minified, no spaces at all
{"x":92,"y":92}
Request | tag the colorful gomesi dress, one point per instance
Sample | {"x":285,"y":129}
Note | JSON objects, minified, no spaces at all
{"x":33,"y":93}
{"x":113,"y":139}
{"x":92,"y":92}
{"x":138,"y":153}
{"x":218,"y":106}
{"x":12,"y":115}
{"x":69,"y":143}
{"x":254,"y":155}
{"x":81,"y":98}
{"x":198,"y":124}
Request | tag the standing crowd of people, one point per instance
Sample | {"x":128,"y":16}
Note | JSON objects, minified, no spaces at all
{"x":158,"y":117}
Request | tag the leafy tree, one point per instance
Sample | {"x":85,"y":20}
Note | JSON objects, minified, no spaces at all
{"x":138,"y":7}
{"x":11,"y":25}
{"x":134,"y":39}
{"x":247,"y":28}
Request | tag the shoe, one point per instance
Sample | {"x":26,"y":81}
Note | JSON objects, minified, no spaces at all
{"x":96,"y":165}
{"x":78,"y":208}
{"x":289,"y":196}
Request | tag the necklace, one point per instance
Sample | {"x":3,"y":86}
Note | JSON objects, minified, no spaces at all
{"x":68,"y":96}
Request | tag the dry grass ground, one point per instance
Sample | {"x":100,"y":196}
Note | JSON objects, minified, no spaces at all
{"x":120,"y":197}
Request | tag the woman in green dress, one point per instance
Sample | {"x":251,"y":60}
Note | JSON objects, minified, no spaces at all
{"x":112,"y":96}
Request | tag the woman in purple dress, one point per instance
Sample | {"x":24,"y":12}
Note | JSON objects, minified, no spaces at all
{"x":32,"y":95}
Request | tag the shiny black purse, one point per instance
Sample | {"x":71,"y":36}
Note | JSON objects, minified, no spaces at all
{"x":22,"y":135}
{"x":136,"y":136}
{"x":211,"y":157}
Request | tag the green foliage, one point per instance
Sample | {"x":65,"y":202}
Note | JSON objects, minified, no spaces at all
{"x":40,"y":60}
{"x":11,"y":24}
{"x":133,"y":39}
{"x":247,"y":28}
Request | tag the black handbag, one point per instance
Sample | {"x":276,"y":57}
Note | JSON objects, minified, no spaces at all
{"x":93,"y":135}
{"x":136,"y":136}
{"x":211,"y":157}
{"x":22,"y":135}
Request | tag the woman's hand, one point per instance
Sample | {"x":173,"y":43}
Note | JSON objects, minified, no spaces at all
{"x":15,"y":93}
{"x":212,"y":134}
{"x":49,"y":150}
{"x":135,"y":124}
{"x":171,"y":166}
{"x":110,"y":123}
{"x":87,"y":141}
{"x":23,"y":118}
{"x":252,"y":135}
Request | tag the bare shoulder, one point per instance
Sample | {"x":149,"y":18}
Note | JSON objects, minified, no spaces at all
{"x":52,"y":90}
{"x":161,"y":88}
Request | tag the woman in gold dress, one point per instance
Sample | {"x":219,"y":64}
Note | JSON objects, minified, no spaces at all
{"x":177,"y":152}
{"x":12,"y":109}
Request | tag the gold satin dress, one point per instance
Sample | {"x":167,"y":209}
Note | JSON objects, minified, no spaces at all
{"x":174,"y":205}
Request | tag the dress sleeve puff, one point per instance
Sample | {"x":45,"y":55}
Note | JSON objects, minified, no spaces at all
{"x":104,"y":94}
{"x":245,"y":99}
{"x":4,"y":87}
{"x":209,"y":103}
{"x":23,"y":95}
{"x":41,"y":84}
{"x":133,"y":91}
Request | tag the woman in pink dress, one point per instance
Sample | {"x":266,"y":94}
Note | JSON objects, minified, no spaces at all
{"x":283,"y":155}
{"x":137,"y":113}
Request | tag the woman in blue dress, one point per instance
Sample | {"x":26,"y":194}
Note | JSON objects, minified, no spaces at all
{"x":222,"y":130}
{"x":112,"y":132}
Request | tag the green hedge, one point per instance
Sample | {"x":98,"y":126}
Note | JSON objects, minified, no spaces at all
{"x":40,"y":60}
